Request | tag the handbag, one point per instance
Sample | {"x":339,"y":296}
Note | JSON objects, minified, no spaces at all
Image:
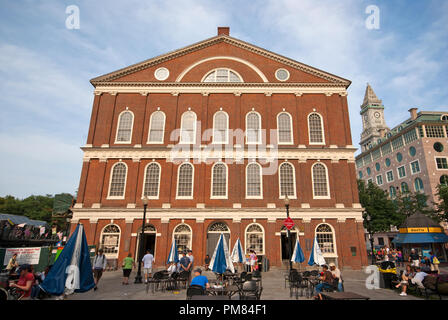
{"x":435,"y":260}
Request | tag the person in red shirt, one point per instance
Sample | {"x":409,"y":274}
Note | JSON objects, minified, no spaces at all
{"x":26,"y":280}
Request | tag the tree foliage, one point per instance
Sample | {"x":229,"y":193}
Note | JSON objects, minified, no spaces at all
{"x":442,"y":204}
{"x":33,"y":207}
{"x":409,"y":203}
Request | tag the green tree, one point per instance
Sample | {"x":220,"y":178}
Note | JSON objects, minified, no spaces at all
{"x":409,"y":203}
{"x":442,"y":204}
{"x":33,"y":207}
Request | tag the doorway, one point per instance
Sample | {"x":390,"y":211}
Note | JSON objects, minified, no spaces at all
{"x":213,"y":234}
{"x":284,"y":243}
{"x":148,"y":243}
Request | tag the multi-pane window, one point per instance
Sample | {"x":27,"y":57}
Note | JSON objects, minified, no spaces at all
{"x":156,"y":127}
{"x":392,"y":192}
{"x":253,"y":128}
{"x":441,"y":163}
{"x":386,"y":149}
{"x":220,"y":127}
{"x":152,"y":180}
{"x":188,"y":127}
{"x":223,"y":75}
{"x":110,"y":240}
{"x":404,"y":187}
{"x":401,"y":172}
{"x":185,"y":181}
{"x":255,"y":239}
{"x":284,"y":128}
{"x":315,"y":128}
{"x":183,"y":235}
{"x":379,"y":180}
{"x":415,"y":167}
{"x":124,"y":131}
{"x":253,"y":180}
{"x":320,"y":183}
{"x":324,"y":235}
{"x":118,"y":180}
{"x":359,"y":163}
{"x":444,"y":179}
{"x":435,"y":132}
{"x":390,"y":176}
{"x":376,"y":154}
{"x":287,"y":181}
{"x":219,"y":181}
{"x":418,"y":185}
{"x":410,"y":136}
{"x":397,"y":143}
{"x":368,"y":159}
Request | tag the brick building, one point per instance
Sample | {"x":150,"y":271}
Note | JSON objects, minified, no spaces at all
{"x":215,"y":135}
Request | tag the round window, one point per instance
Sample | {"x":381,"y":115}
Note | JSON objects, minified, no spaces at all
{"x":282,"y":74}
{"x":161,"y":74}
{"x":412,"y":151}
{"x":368,"y":171}
{"x":438,"y":147}
{"x":387,"y":162}
{"x":377,"y":166}
{"x":399,"y":157}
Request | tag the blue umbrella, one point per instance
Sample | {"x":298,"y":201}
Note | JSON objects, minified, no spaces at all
{"x":316,"y":256}
{"x":221,"y":260}
{"x":173,"y":255}
{"x":237,"y":252}
{"x":72,"y":271}
{"x":298,"y":255}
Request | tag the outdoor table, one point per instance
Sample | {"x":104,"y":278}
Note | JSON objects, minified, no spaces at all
{"x":342,"y":296}
{"x":224,"y":291}
{"x":210,"y":298}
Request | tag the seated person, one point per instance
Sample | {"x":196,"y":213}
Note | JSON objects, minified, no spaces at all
{"x":200,"y":280}
{"x":172,"y":268}
{"x":418,"y":278}
{"x":327,"y":282}
{"x":405,"y":278}
{"x":336,"y":275}
{"x":26,"y":280}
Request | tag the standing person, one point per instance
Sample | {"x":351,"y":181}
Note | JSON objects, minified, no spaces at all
{"x":336,"y":275}
{"x":185,"y":264}
{"x":414,"y":258}
{"x":207,"y":262}
{"x":26,"y":281}
{"x":12,"y":264}
{"x":128,"y":264}
{"x":253,"y":260}
{"x":99,"y":265}
{"x":399,"y":258}
{"x":434,"y":262}
{"x":191,"y":257}
{"x":147,"y":260}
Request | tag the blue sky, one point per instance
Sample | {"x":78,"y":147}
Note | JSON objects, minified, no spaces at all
{"x":45,"y":68}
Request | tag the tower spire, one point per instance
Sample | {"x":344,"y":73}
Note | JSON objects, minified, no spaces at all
{"x":370,"y":98}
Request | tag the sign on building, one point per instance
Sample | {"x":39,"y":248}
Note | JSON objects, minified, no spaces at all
{"x":24,"y":255}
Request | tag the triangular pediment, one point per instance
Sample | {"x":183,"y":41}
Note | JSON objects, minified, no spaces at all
{"x":228,"y":51}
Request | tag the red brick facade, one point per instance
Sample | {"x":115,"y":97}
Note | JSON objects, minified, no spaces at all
{"x":306,"y":91}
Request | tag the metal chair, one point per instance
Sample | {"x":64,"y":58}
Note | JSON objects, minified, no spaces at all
{"x":195,"y":290}
{"x":250,"y":291}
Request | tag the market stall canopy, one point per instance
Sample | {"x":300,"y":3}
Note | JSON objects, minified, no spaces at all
{"x":15,"y":219}
{"x":419,"y":228}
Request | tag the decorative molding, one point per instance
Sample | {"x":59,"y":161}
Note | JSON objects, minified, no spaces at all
{"x":129,"y":220}
{"x":174,"y":94}
{"x":328,"y":94}
{"x":77,"y":205}
{"x":237,"y":205}
{"x":305,"y":206}
{"x":130,"y":205}
{"x":340,"y":205}
{"x":200,"y":205}
{"x":343,"y":94}
{"x":164,"y":220}
{"x":93,"y":220}
{"x":271,"y":205}
{"x":298,"y":94}
{"x":144,"y":93}
{"x":96,"y":205}
{"x":237,"y":94}
{"x":200,"y":220}
{"x":166,"y":205}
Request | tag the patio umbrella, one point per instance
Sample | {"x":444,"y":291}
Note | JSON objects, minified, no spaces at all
{"x":237,"y":252}
{"x":316,"y":256}
{"x":221,"y":260}
{"x":298,"y":255}
{"x":174,"y":254}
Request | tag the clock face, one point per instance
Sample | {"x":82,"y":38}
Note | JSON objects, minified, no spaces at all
{"x":377,"y":115}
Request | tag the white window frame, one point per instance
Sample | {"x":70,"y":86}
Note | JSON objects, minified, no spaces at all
{"x":109,"y":255}
{"x":294,"y":196}
{"x":163,"y":129}
{"x":387,"y":177}
{"x":333,"y":254}
{"x":328,"y":182}
{"x":228,"y":76}
{"x":435,"y":161}
{"x":192,"y":183}
{"x":182,"y":128}
{"x":227,"y":182}
{"x":369,"y":180}
{"x":145,"y":177}
{"x":398,"y":172}
{"x":290,"y":126}
{"x":382,"y":182}
{"x":246,"y":249}
{"x":226,"y":140}
{"x":118,"y":128}
{"x":322,"y":127}
{"x":261,"y":181}
{"x":419,"y":168}
{"x":423,"y":188}
{"x":109,"y":197}
{"x":190,"y":233}
{"x":259,"y":138}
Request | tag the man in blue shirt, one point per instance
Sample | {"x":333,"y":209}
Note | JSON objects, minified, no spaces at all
{"x":200,"y":280}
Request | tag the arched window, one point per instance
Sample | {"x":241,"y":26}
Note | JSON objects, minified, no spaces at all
{"x":392,"y":192}
{"x":418,"y":185}
{"x":444,"y":179}
{"x":284,"y":127}
{"x":219,"y":181}
{"x":254,"y":183}
{"x":315,"y":129}
{"x":404,"y":187}
{"x":320,"y":181}
{"x":183,"y":235}
{"x":188,"y":128}
{"x":117,"y":183}
{"x":110,"y":241}
{"x":152,"y":181}
{"x":220,"y":127}
{"x":287,"y":180}
{"x":156,"y":127}
{"x":222,"y":75}
{"x":255,"y":238}
{"x":325,"y":238}
{"x":124,"y":129}
{"x":253,"y":128}
{"x":185,"y":177}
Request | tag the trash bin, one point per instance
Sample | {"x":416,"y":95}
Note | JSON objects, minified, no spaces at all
{"x":388,"y":273}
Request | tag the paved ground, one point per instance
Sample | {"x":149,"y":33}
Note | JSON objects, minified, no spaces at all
{"x":110,"y":288}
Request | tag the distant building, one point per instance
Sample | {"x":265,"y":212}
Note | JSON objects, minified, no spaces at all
{"x":411,"y":157}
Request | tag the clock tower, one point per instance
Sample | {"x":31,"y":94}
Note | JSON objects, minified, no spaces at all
{"x":373,"y":122}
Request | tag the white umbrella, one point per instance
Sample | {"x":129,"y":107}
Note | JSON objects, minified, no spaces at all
{"x":316,"y":256}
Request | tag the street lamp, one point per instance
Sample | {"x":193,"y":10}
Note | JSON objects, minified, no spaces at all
{"x":288,"y":234}
{"x":138,"y":277}
{"x":369,"y":229}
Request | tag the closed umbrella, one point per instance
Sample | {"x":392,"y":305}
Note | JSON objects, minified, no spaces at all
{"x":237,"y":252}
{"x":316,"y":256}
{"x":221,"y":260}
{"x":173,"y":255}
{"x":298,"y":255}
